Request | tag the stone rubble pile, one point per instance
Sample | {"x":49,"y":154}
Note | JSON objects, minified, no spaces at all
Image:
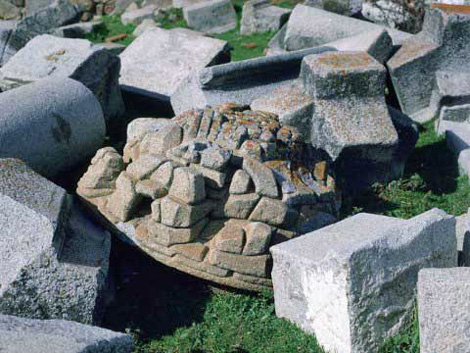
{"x":209,"y":191}
{"x":248,"y":175}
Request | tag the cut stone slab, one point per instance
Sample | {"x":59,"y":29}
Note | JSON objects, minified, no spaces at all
{"x":239,"y":82}
{"x":158,"y":61}
{"x":19,"y":335}
{"x":351,"y":121}
{"x":212,"y":17}
{"x":443,"y":297}
{"x":54,"y":57}
{"x":309,"y":27}
{"x":440,"y":46}
{"x":262,"y":16}
{"x":55,"y":260}
{"x":59,"y":124}
{"x":326,"y":281}
{"x":377,"y":44}
{"x":137,"y":16}
{"x":59,"y":13}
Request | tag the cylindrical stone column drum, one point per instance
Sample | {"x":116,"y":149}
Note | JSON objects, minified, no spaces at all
{"x":52,"y":125}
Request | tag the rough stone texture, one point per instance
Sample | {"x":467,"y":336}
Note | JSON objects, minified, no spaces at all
{"x":32,"y":6}
{"x":19,"y":335}
{"x":351,"y":121}
{"x":308,"y":27}
{"x":361,"y":270}
{"x":291,"y":104}
{"x":9,"y":11}
{"x":239,"y":82}
{"x":342,"y":7}
{"x":441,"y":46}
{"x":213,"y":16}
{"x":49,"y":56}
{"x":54,"y":259}
{"x":146,"y":24}
{"x":262,"y":16}
{"x":233,"y":183}
{"x":137,"y":16}
{"x":58,"y":125}
{"x":181,"y":4}
{"x":159,"y":60}
{"x":59,"y":13}
{"x":406,"y":16}
{"x":377,"y":44}
{"x":443,"y":297}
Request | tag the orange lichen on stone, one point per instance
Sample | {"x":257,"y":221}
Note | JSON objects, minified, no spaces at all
{"x":452,"y":8}
{"x":411,"y":50}
{"x":346,"y":59}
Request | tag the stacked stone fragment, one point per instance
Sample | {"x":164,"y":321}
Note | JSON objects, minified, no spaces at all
{"x":210,"y":190}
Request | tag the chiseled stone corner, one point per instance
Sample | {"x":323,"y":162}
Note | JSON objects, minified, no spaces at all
{"x":353,"y":283}
{"x":443,"y":299}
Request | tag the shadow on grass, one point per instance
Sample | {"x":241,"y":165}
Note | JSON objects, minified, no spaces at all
{"x":431,"y":174}
{"x":152,"y":300}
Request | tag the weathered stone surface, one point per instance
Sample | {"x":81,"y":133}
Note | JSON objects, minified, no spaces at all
{"x":159,"y":60}
{"x":274,"y":212}
{"x":59,"y":13}
{"x":238,"y":82}
{"x":248,"y":265}
{"x":239,"y":206}
{"x":326,"y":281}
{"x":18,"y":335}
{"x":114,"y":48}
{"x":139,"y":15}
{"x":159,"y":142}
{"x":351,"y":121}
{"x":258,"y":237}
{"x":309,"y":27}
{"x":145,"y":24}
{"x":443,"y":296}
{"x":262,"y":16}
{"x":263,"y":178}
{"x":9,"y":11}
{"x":199,"y":201}
{"x":187,"y":186}
{"x":58,"y":125}
{"x":405,"y":16}
{"x":291,"y":104}
{"x":440,"y":46}
{"x":32,"y":6}
{"x":55,"y":261}
{"x":53,"y":57}
{"x":180,"y":215}
{"x":342,"y":7}
{"x":230,"y":239}
{"x":213,"y":16}
{"x":241,"y":183}
{"x":377,"y":44}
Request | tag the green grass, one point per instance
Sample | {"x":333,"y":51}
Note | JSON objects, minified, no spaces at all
{"x":431,"y":179}
{"x":112,"y":26}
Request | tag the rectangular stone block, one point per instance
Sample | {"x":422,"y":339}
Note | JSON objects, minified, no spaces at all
{"x":309,"y":26}
{"x":239,"y":82}
{"x":213,"y":16}
{"x":353,"y":283}
{"x":159,"y":60}
{"x":444,"y":319}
